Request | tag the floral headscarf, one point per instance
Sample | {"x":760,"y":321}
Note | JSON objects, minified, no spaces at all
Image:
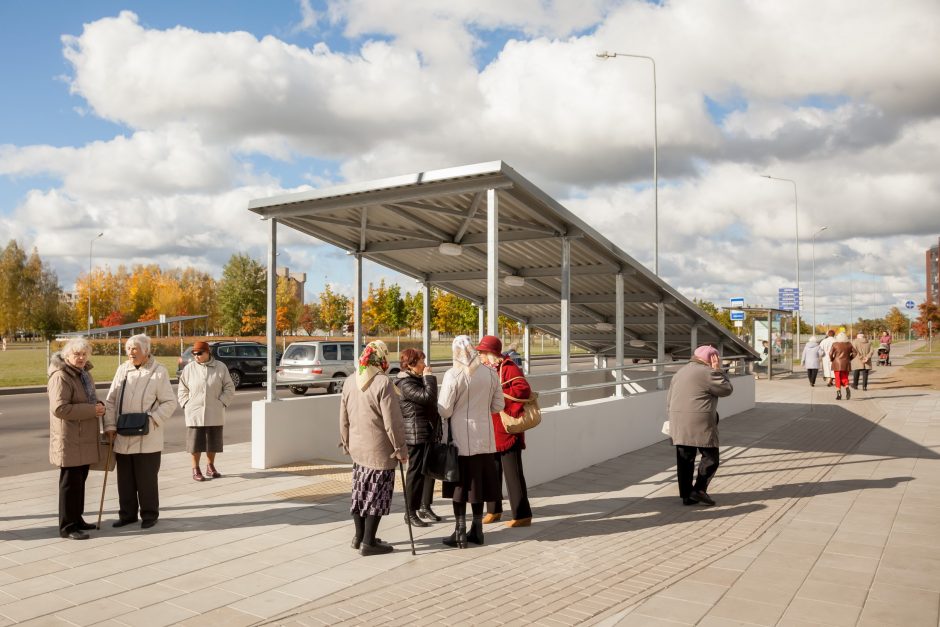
{"x":372,"y":361}
{"x":465,"y":356}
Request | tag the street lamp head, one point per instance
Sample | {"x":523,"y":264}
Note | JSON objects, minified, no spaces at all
{"x":605,"y":55}
{"x":766,"y":176}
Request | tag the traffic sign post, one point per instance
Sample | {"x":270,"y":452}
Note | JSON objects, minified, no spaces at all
{"x":788,"y":298}
{"x":737,"y":303}
{"x":737,"y":315}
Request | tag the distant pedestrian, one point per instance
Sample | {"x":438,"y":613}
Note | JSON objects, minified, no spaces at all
{"x":469,"y":396}
{"x":372,"y":432}
{"x":841,"y":354}
{"x":824,"y":347}
{"x":692,"y":407}
{"x":512,"y":353}
{"x":509,"y":446}
{"x":886,"y":343}
{"x":205,"y":390}
{"x":74,"y":415}
{"x":140,"y":385}
{"x":811,"y":360}
{"x":417,"y":386}
{"x":861,"y":363}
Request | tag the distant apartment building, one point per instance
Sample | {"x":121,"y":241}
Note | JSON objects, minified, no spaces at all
{"x":933,"y":274}
{"x":296,"y":281}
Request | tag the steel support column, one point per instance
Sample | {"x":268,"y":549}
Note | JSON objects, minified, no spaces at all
{"x":481,"y":321}
{"x":271,"y":377}
{"x":525,"y":349}
{"x":357,"y":304}
{"x":693,"y":339}
{"x":492,"y":261}
{"x":618,"y":326}
{"x":565,"y":315}
{"x":426,"y":320}
{"x":660,"y":343}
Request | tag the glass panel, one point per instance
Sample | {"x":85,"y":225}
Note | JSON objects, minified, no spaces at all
{"x":347,"y":352}
{"x":329,"y":352}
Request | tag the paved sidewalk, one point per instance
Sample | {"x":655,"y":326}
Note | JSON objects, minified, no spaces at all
{"x":827,"y":514}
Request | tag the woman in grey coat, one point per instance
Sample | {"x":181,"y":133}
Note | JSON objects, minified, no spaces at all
{"x":691,"y":404}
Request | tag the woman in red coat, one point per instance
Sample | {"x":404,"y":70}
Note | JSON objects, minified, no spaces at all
{"x":508,"y":445}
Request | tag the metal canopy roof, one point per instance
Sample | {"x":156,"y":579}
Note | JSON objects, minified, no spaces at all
{"x":400,"y":222}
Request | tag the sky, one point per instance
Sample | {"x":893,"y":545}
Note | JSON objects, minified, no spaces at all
{"x":157,"y":122}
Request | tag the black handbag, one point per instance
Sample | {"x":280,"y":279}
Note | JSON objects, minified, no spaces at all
{"x":137,"y":423}
{"x":440,"y":459}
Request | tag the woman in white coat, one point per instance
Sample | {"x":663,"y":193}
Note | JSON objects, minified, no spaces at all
{"x":824,"y":347}
{"x":469,"y":396}
{"x":140,"y":385}
{"x":811,"y":360}
{"x":205,"y":390}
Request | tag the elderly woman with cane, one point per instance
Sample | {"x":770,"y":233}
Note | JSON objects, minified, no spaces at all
{"x":373,"y":434}
{"x":74,"y":414}
{"x":691,"y":403}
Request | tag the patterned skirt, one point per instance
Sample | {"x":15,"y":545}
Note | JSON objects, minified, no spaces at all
{"x":372,"y":491}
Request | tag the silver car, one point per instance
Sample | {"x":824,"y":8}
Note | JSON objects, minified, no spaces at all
{"x":317,"y":364}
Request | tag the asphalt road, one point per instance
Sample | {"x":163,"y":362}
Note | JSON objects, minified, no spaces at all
{"x":24,"y":429}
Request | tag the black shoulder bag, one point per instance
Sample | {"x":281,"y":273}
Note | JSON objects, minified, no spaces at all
{"x":440,"y":459}
{"x":132,"y":424}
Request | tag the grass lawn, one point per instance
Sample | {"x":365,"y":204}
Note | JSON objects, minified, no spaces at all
{"x":27,"y":366}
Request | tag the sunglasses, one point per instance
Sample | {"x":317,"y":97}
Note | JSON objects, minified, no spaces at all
{"x":197,"y":353}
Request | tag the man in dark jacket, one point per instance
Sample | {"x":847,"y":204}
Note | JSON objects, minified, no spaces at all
{"x":417,"y":388}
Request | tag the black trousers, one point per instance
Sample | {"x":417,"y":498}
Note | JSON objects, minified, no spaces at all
{"x":864,"y":374}
{"x":510,"y":468}
{"x":137,"y":485}
{"x":811,"y":374}
{"x":71,"y":496}
{"x":420,"y":486}
{"x":685,"y":467}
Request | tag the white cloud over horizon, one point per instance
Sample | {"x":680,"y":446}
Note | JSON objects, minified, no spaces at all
{"x":811,"y":93}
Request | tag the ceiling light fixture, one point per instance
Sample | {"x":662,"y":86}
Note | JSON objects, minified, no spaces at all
{"x":637,"y":343}
{"x":604,"y":326}
{"x":514,"y":280}
{"x":450,"y":249}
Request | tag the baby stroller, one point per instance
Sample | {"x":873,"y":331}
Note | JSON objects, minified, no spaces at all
{"x":884,"y":354}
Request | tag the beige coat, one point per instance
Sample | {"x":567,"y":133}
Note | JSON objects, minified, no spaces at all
{"x":204,"y":391}
{"x":371,"y":428}
{"x":148,"y":390}
{"x":467,"y":402}
{"x":863,"y":354}
{"x":692,"y":402}
{"x":73,"y":426}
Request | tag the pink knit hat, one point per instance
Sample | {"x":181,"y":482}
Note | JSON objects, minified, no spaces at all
{"x":704,"y":353}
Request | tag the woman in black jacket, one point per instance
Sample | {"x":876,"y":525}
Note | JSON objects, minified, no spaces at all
{"x":417,"y":388}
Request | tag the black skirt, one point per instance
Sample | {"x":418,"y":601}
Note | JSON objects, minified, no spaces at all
{"x":479,"y":480}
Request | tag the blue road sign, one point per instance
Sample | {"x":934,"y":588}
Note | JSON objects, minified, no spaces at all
{"x":737,"y":315}
{"x":909,"y":304}
{"x":788,"y":298}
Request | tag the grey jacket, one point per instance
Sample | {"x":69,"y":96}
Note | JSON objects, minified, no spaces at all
{"x":371,"y":428}
{"x":692,"y":402}
{"x":204,"y":391}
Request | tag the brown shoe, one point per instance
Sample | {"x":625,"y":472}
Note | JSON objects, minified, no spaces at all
{"x":212,"y":472}
{"x":520,"y":522}
{"x":491,"y":518}
{"x":197,"y":475}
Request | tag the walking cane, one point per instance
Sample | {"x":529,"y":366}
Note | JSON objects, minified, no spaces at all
{"x":404,"y":487}
{"x":104,"y":483}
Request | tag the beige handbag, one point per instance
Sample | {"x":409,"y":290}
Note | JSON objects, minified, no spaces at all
{"x":531,"y":415}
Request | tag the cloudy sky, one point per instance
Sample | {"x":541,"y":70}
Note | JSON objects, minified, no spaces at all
{"x":157,"y":122}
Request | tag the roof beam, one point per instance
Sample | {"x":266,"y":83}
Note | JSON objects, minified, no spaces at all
{"x":503,"y":221}
{"x":474,"y":205}
{"x":420,"y":224}
{"x":379,"y":228}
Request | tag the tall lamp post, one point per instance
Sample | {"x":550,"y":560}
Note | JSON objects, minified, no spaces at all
{"x":796,"y":216}
{"x":611,"y":55}
{"x":90,"y":247}
{"x":818,"y":231}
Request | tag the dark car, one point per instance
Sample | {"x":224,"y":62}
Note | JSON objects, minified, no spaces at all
{"x":247,"y":362}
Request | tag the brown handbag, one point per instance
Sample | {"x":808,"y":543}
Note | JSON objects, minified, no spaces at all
{"x":531,"y":414}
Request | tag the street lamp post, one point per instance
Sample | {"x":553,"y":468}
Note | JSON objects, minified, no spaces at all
{"x":90,"y":283}
{"x":611,"y":55}
{"x":796,"y":217}
{"x":818,"y":231}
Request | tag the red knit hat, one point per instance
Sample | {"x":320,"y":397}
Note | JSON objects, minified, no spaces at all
{"x":201,"y":346}
{"x":490,"y":344}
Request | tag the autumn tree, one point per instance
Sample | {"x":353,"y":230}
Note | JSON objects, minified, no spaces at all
{"x":310,"y":318}
{"x":289,"y":307}
{"x":413,"y":305}
{"x":896,"y":321}
{"x":12,"y":279}
{"x":928,"y":313}
{"x":241,"y":291}
{"x":333,"y":309}
{"x":453,"y":314}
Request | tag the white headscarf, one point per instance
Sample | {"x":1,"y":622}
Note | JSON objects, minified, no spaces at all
{"x":465,"y":355}
{"x":841,"y":337}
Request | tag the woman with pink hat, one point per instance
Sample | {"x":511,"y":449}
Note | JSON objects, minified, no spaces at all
{"x":692,"y":403}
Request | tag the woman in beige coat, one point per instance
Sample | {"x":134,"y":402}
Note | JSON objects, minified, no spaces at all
{"x":205,"y":390}
{"x":74,"y":413}
{"x":141,"y":384}
{"x":692,"y":406}
{"x":861,"y":363}
{"x":468,"y":398}
{"x":372,"y":432}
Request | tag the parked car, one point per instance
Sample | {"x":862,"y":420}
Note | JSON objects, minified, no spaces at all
{"x":317,"y":364}
{"x":247,"y":362}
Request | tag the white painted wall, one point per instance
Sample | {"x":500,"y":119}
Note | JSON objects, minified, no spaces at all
{"x":569,"y":439}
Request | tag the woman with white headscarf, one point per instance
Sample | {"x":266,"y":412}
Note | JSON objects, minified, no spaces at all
{"x":692,"y":407}
{"x":469,"y":396}
{"x":372,"y":432}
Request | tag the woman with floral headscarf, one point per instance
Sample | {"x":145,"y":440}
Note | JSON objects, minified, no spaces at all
{"x":373,"y":434}
{"x":469,"y":396}
{"x":692,"y":404}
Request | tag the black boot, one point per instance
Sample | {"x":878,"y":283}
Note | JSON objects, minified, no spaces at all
{"x":838,"y":394}
{"x":459,"y":537}
{"x":360,"y":523}
{"x":475,"y":534}
{"x":848,"y":393}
